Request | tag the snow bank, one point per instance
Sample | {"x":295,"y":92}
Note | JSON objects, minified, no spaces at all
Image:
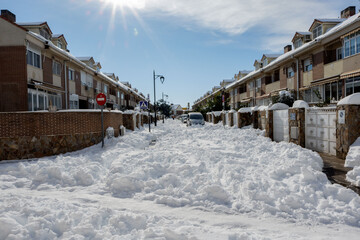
{"x":279,"y":106}
{"x":353,"y":161}
{"x":300,"y":104}
{"x":82,"y":194}
{"x":353,"y":99}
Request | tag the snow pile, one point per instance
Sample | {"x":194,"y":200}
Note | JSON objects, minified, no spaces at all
{"x":134,"y":189}
{"x":353,"y":161}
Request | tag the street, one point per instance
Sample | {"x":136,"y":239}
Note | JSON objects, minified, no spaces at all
{"x":199,"y":182}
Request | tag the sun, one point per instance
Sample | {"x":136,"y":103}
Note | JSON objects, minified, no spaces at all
{"x":133,"y":4}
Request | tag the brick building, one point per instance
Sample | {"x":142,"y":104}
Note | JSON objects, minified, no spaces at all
{"x":321,"y":66}
{"x":38,"y":71}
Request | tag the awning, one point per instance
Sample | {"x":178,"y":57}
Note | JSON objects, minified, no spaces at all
{"x":246,"y":100}
{"x":349,"y":33}
{"x":263,"y":96}
{"x":350,"y":74}
{"x":46,"y":86}
{"x":324,"y":81}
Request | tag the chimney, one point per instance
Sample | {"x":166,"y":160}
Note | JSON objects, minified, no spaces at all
{"x":8,"y":15}
{"x":287,"y":48}
{"x":348,"y":12}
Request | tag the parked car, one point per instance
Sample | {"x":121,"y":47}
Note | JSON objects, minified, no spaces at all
{"x":184,"y":118}
{"x":195,"y":118}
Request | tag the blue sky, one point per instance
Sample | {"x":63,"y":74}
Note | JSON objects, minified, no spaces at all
{"x":195,"y":44}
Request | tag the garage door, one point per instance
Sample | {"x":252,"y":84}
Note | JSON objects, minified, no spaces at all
{"x":320,"y":131}
{"x":281,"y":125}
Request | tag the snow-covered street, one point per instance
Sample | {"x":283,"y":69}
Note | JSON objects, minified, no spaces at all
{"x":200,"y":182}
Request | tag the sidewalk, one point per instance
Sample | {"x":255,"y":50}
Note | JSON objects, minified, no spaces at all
{"x":336,"y":172}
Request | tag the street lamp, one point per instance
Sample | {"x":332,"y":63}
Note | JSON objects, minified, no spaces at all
{"x":162,"y":79}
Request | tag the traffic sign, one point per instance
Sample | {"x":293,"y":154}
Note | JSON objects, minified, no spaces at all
{"x":101,"y":99}
{"x":144,"y":105}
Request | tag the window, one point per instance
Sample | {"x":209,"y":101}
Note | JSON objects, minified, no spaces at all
{"x":352,"y":85}
{"x":59,"y":44}
{"x":298,"y":42}
{"x":105,"y":89}
{"x":55,"y":100}
{"x":317,"y":31}
{"x":290,"y":72}
{"x":251,"y":85}
{"x":118,"y":94}
{"x":275,"y":76}
{"x":39,"y":100}
{"x":339,"y":53}
{"x":44,"y":32}
{"x":74,"y":101}
{"x":56,"y":68}
{"x":307,"y":65}
{"x":33,"y":59}
{"x":235,"y":91}
{"x":352,"y":44}
{"x":258,"y":82}
{"x":242,"y":89}
{"x":265,"y":62}
{"x":71,"y":74}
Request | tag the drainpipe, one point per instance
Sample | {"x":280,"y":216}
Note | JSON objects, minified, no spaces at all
{"x":66,"y":88}
{"x":298,"y":79}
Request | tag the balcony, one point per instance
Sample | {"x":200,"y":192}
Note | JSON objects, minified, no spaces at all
{"x":307,"y":78}
{"x":272,"y":87}
{"x":333,"y":68}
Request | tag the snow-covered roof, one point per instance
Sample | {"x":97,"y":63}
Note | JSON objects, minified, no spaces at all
{"x":57,"y":35}
{"x":31,"y":23}
{"x":272,"y":55}
{"x":288,"y":54}
{"x":84,"y":58}
{"x":332,"y":20}
{"x":304,"y":33}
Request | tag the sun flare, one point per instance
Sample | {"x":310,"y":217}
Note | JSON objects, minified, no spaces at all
{"x":133,"y":4}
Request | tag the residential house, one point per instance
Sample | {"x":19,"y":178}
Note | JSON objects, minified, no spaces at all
{"x":322,"y":67}
{"x":37,"y":71}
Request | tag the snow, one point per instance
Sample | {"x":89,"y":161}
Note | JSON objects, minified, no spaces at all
{"x":353,"y":99}
{"x":279,"y":106}
{"x":203,"y":182}
{"x":353,"y":161}
{"x":217,"y":114}
{"x":300,"y":104}
{"x":246,"y":110}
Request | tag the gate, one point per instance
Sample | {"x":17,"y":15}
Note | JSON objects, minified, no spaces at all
{"x":281,"y":125}
{"x":320,"y":130}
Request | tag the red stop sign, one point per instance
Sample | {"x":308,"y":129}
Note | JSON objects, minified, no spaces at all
{"x":101,"y":99}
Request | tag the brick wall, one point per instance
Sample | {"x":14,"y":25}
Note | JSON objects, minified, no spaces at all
{"x":38,"y":134}
{"x":47,"y":70}
{"x":318,"y":65}
{"x":346,"y":134}
{"x":283,"y":78}
{"x":13,"y":79}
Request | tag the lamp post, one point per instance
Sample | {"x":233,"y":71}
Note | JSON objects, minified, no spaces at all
{"x":162,"y":79}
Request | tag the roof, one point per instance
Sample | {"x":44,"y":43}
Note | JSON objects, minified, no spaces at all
{"x":85,"y":58}
{"x":272,"y":55}
{"x":59,"y":36}
{"x":25,"y":24}
{"x":176,"y":106}
{"x":300,"y":33}
{"x":327,"y":20}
